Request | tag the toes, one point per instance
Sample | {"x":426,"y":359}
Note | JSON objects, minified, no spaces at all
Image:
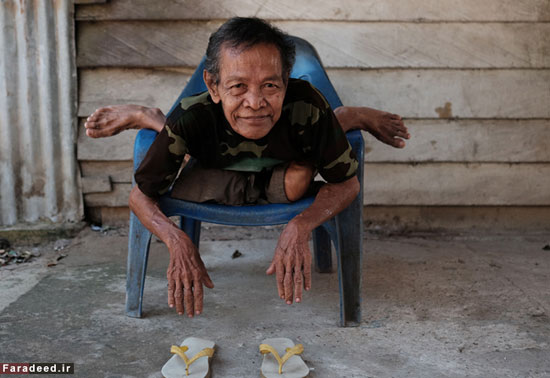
{"x":95,"y":115}
{"x":395,"y":116}
{"x":398,"y":143}
{"x":91,"y":133}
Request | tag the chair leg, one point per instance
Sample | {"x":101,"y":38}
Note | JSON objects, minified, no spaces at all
{"x":323,"y":250}
{"x":192,"y":228}
{"x":138,"y":250}
{"x":350,"y":241}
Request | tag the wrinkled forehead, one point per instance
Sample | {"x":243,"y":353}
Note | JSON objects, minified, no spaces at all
{"x":243,"y":59}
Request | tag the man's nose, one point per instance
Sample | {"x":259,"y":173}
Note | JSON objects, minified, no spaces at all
{"x":255,"y":99}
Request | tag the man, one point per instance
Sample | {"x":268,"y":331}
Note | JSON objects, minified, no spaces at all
{"x":257,"y":136}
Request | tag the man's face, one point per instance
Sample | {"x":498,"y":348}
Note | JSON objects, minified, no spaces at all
{"x":250,"y":88}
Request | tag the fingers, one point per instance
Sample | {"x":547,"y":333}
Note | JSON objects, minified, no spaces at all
{"x":298,"y":283}
{"x":188,"y":297}
{"x":178,"y":297}
{"x":198,"y":298}
{"x":307,"y":271}
{"x":288,"y":283}
{"x":171,"y":292}
{"x":280,"y":275}
{"x":207,"y":281}
{"x":271,"y":269}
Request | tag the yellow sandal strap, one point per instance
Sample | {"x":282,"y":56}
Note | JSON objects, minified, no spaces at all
{"x":180,"y":351}
{"x":296,"y":349}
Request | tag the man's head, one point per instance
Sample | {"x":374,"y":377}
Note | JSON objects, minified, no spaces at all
{"x":247,"y":66}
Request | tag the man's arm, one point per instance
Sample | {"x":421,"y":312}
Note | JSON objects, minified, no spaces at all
{"x":292,"y":260}
{"x":186,"y":272}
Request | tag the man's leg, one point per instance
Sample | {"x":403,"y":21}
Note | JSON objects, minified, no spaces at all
{"x":386,"y":127}
{"x":111,"y":120}
{"x":298,"y":179}
{"x":289,"y":182}
{"x":198,"y":184}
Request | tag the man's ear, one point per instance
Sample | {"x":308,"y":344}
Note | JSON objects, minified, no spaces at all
{"x":210,"y":81}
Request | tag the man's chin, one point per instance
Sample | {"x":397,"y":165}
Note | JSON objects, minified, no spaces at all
{"x":253,"y":131}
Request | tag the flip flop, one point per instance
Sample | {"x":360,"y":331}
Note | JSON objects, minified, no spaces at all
{"x":180,"y":365}
{"x":281,"y":359}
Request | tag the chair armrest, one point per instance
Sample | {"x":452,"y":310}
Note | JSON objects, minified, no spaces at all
{"x":144,"y":139}
{"x":355,"y":139}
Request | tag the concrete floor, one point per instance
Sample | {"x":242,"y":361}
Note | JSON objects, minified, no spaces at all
{"x":433,"y":306}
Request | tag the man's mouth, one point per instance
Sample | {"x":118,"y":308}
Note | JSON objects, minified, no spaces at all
{"x":253,"y":119}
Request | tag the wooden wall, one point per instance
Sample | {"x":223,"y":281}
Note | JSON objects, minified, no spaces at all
{"x":471,"y":79}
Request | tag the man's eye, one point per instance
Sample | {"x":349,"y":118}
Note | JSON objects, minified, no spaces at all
{"x":271,"y":85}
{"x":237,"y":86}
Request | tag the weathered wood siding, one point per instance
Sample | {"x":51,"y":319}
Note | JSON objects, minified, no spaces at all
{"x":471,"y":79}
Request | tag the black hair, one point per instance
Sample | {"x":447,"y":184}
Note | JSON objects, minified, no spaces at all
{"x":246,"y":32}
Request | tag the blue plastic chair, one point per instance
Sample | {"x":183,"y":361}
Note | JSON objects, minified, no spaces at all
{"x":345,"y":230}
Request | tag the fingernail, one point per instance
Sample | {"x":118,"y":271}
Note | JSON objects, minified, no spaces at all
{"x":180,"y":313}
{"x":297,"y":300}
{"x":171,"y":306}
{"x":288,"y":302}
{"x":197,"y":312}
{"x":190,"y":315}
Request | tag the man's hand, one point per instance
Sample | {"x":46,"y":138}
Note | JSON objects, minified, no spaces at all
{"x":292,"y":262}
{"x":186,"y":274}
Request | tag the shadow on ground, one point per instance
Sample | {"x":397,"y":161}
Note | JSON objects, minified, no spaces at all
{"x":433,"y":306}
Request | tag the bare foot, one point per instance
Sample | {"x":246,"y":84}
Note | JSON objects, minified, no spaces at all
{"x":386,"y":127}
{"x":111,"y":120}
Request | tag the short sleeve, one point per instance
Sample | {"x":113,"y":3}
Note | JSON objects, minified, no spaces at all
{"x":332,"y":154}
{"x":161,"y":165}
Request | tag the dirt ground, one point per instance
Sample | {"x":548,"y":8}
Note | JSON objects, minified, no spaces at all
{"x":434,"y":305}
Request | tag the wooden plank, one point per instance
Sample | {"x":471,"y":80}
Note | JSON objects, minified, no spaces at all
{"x":448,"y":93}
{"x":457,"y":184}
{"x":115,"y":216}
{"x":371,"y":45}
{"x":356,"y":10}
{"x":152,"y":87}
{"x":79,"y":2}
{"x":464,"y":218}
{"x":117,"y":147}
{"x":118,"y":197}
{"x":142,"y":44}
{"x":96,"y":184}
{"x":467,"y":141}
{"x":447,"y":45}
{"x":511,"y":141}
{"x":410,"y":93}
{"x":419,"y":218}
{"x":444,"y":184}
{"x":118,"y":171}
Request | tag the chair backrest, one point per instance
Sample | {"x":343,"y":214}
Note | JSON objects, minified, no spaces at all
{"x":308,"y":67}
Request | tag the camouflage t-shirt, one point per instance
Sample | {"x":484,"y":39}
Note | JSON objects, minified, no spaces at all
{"x":307,"y":131}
